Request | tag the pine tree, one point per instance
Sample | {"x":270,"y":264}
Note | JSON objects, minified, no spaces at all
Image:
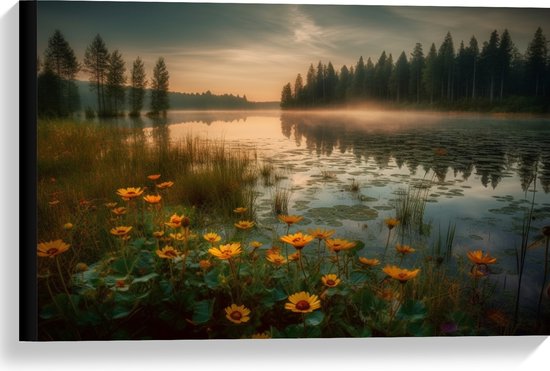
{"x":490,"y":61}
{"x":430,"y":75}
{"x":116,"y":78}
{"x":446,"y":59}
{"x":400,"y":77}
{"x":536,"y":56}
{"x":299,"y":90}
{"x":159,"y":88}
{"x":286,"y":96}
{"x":472,"y":58}
{"x":416,"y":67}
{"x":137,"y":90}
{"x":505,"y":52}
{"x":96,"y":63}
{"x":59,"y":70}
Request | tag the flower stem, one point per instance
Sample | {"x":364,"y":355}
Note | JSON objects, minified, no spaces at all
{"x":64,"y":285}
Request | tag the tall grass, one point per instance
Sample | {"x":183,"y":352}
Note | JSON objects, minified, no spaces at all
{"x":81,"y":164}
{"x":410,"y":207}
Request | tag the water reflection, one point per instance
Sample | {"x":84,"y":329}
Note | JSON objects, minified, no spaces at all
{"x":489,"y":148}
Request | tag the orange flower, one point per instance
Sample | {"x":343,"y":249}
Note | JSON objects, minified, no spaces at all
{"x":290,"y":219}
{"x":165,"y":185}
{"x":402,"y":275}
{"x":404,"y":249}
{"x":276,"y":259}
{"x":294,"y":257}
{"x":205,"y":264}
{"x":303,"y":302}
{"x":261,"y":335}
{"x":129,"y":193}
{"x":175,"y":221}
{"x":110,"y":205}
{"x":338,"y":245}
{"x":273,"y":250}
{"x":298,"y":240}
{"x":119,"y":211}
{"x":391,"y":223}
{"x":477,"y":257}
{"x":369,"y":262}
{"x":152,"y":199}
{"x":255,"y":244}
{"x":240,"y":210}
{"x":227,"y":251}
{"x":168,"y":252}
{"x":121,"y":231}
{"x":244,"y":224}
{"x":330,"y":280}
{"x":52,"y":248}
{"x":212,"y":237}
{"x":158,"y":234}
{"x":321,"y":234}
{"x":153,"y":177}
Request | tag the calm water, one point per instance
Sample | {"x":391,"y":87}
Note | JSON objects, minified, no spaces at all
{"x":479,"y":172}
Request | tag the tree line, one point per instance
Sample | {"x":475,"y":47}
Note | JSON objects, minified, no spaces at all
{"x":472,"y":77}
{"x":58,"y":96}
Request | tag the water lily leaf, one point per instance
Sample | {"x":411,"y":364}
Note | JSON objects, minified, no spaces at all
{"x":202,"y":311}
{"x":315,"y":318}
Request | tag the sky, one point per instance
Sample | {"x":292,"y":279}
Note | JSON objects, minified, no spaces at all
{"x":254,"y":49}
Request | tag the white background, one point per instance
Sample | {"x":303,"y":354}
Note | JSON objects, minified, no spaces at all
{"x":529,"y":352}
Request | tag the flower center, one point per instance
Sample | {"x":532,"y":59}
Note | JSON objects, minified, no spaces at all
{"x":236,"y":315}
{"x":52,"y":251}
{"x":331,"y":282}
{"x":170,"y":253}
{"x":402,"y":276}
{"x":302,"y":305}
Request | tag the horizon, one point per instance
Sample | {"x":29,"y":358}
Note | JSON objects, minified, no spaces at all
{"x":254,"y":49}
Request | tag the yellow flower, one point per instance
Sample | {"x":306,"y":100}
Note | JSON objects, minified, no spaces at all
{"x":338,"y":245}
{"x":321,"y":234}
{"x":303,"y":302}
{"x":179,"y":236}
{"x":255,"y":244}
{"x":212,"y":237}
{"x":237,"y":313}
{"x":165,"y":185}
{"x":152,"y":199}
{"x":121,"y":231}
{"x":244,"y":224}
{"x":52,"y":248}
{"x":391,"y":223}
{"x":119,"y":211}
{"x":290,"y":219}
{"x":330,"y":280}
{"x":276,"y":259}
{"x":68,"y":226}
{"x":369,"y":262}
{"x":205,"y":264}
{"x":153,"y":177}
{"x":404,"y":249}
{"x":54,"y":202}
{"x":261,"y":335}
{"x":168,"y":252}
{"x":226,"y":251}
{"x":402,"y":275}
{"x":273,"y":250}
{"x":477,"y":257}
{"x":110,"y":205}
{"x":298,"y":240}
{"x":129,"y":193}
{"x":478,"y":272}
{"x":158,"y":234}
{"x":240,"y":210}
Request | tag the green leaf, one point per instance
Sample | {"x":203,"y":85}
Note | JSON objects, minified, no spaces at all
{"x":202,"y":311}
{"x":315,"y":318}
{"x":48,"y":311}
{"x":412,"y":311}
{"x":166,"y":288}
{"x":145,"y":278}
{"x":120,"y":311}
{"x":358,"y":278}
{"x":212,"y":279}
{"x":278,"y":294}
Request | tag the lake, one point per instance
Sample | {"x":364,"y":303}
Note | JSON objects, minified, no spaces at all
{"x":349,"y":170}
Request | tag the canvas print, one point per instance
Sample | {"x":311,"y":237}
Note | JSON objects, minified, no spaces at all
{"x":255,"y":171}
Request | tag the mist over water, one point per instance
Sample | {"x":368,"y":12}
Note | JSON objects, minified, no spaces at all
{"x":479,"y":172}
